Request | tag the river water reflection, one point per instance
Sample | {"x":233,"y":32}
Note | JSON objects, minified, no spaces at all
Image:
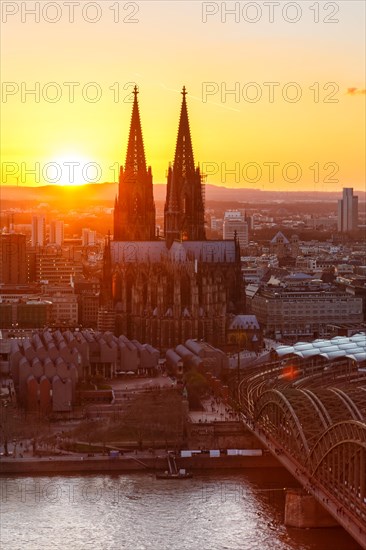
{"x":212,"y":511}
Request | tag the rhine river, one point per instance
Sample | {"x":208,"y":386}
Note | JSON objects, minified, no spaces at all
{"x":212,"y":511}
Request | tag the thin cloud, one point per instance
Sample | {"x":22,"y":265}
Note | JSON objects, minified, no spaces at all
{"x":355,"y":91}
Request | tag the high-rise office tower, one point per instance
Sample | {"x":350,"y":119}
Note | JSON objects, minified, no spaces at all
{"x":88,"y":237}
{"x":57,"y":232}
{"x":13,"y":264}
{"x":235,"y":224}
{"x":347,"y":211}
{"x":38,"y":231}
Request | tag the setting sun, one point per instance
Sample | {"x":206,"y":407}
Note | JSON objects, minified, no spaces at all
{"x":72,"y":169}
{"x":292,"y":101}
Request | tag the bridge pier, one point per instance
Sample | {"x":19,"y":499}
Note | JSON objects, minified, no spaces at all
{"x":304,"y":511}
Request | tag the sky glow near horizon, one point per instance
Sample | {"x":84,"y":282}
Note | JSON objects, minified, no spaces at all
{"x":275,"y":143}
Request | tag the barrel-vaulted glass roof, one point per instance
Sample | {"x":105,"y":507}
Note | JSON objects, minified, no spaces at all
{"x":353,"y":347}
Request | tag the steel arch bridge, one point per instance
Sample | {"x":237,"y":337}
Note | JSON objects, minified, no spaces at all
{"x":315,"y":423}
{"x":338,"y":459}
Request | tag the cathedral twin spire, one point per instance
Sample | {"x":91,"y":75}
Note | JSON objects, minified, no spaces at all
{"x":135,"y":157}
{"x":183,"y":160}
{"x":184,"y":208}
{"x":134,"y":209}
{"x":134,"y":213}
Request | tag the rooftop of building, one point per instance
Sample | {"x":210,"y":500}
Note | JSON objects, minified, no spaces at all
{"x":280,"y":237}
{"x":351,"y":347}
{"x":156,"y":251}
{"x":244,"y":322}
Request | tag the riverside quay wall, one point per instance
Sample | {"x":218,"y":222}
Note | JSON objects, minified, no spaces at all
{"x":124,"y":464}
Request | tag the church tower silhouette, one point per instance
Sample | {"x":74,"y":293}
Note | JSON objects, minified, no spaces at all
{"x":184,"y":208}
{"x":134,"y":208}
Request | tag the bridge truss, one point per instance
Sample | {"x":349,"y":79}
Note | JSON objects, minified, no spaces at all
{"x":314,"y":418}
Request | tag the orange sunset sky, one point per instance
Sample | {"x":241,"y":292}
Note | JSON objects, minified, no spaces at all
{"x":170,"y":46}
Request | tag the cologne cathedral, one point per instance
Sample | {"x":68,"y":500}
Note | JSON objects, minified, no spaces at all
{"x":164,"y":290}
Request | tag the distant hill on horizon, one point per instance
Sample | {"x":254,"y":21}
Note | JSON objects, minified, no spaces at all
{"x":105,"y":192}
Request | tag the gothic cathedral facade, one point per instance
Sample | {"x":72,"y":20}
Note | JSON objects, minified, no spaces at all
{"x":166,"y":290}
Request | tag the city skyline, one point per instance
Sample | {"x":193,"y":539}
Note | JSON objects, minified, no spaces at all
{"x":183,"y":274}
{"x":305,"y":131}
